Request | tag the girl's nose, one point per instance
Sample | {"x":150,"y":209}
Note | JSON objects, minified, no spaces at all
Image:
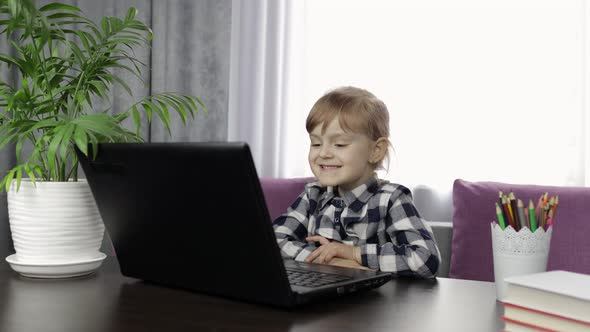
{"x":325,"y":151}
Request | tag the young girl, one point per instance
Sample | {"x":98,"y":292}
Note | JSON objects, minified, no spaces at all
{"x":349,"y":216}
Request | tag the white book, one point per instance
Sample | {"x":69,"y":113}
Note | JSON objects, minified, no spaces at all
{"x":541,"y":320}
{"x":560,"y":293}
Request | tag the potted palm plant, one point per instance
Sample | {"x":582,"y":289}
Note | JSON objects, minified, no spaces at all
{"x":65,"y":63}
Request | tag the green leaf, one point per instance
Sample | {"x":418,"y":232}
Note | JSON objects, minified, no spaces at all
{"x":30,"y":173}
{"x":65,"y":145}
{"x":148,"y":112}
{"x":84,"y":41}
{"x":162,"y":113}
{"x":96,"y":31}
{"x":136,"y":119}
{"x":104,"y":22}
{"x":81,"y":140}
{"x":52,"y":151}
{"x":192,"y":102}
{"x":123,"y":84}
{"x":201,"y":103}
{"x":101,"y":124}
{"x":187,"y":105}
{"x":121,"y":40}
{"x":59,"y":6}
{"x":8,"y":179}
{"x":9,"y":60}
{"x":7,"y":139}
{"x":64,"y":15}
{"x":98,"y":88}
{"x":19,"y":176}
{"x":121,"y":117}
{"x":78,"y":53}
{"x":49,"y":123}
{"x":18,"y":148}
{"x":177,"y":106}
{"x":89,"y":38}
{"x":127,"y":68}
{"x":131,"y":13}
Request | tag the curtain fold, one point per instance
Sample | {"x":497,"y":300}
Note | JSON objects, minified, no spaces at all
{"x":262,"y":72}
{"x":585,"y":123}
{"x":190,"y":54}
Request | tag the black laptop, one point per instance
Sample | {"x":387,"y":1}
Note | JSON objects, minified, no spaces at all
{"x":193,"y":216}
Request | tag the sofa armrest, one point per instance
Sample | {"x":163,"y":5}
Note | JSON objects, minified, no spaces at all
{"x":443,"y":234}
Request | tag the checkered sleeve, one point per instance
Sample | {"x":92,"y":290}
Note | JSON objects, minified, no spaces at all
{"x":413,"y":250}
{"x":292,"y":228}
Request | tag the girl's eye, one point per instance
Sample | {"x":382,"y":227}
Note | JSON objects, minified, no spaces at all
{"x":340,"y":145}
{"x":315,"y":145}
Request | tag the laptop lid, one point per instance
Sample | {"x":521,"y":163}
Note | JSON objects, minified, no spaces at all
{"x":191,"y":215}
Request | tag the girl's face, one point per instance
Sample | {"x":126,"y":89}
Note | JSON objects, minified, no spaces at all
{"x":338,"y":158}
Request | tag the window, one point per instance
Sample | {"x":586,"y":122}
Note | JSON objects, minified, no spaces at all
{"x":479,"y":90}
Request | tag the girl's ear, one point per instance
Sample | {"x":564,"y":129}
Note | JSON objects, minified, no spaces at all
{"x":379,"y":150}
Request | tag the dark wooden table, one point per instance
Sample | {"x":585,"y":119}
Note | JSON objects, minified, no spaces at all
{"x":107,"y":301}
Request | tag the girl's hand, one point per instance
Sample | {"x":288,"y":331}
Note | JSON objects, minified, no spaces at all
{"x":347,"y":263}
{"x":328,"y":250}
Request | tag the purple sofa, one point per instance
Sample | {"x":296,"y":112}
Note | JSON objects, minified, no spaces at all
{"x":473,"y":210}
{"x":281,"y":193}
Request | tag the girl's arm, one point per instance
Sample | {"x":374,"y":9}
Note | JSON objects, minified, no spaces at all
{"x":291,"y":229}
{"x":412,"y":250}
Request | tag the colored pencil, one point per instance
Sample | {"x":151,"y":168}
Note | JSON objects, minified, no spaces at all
{"x":514,"y":211}
{"x":506,"y":208}
{"x":549,"y":219}
{"x":500,"y":217}
{"x":546,"y":209}
{"x":500,"y":194}
{"x":521,"y":218}
{"x":555,"y":207}
{"x":532,"y":216}
{"x":539,"y":212}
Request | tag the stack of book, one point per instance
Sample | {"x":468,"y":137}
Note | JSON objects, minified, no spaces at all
{"x":547,"y":301}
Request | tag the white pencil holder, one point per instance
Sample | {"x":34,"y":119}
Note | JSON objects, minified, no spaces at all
{"x":517,"y":253}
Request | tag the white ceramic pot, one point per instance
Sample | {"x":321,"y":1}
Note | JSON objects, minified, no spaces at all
{"x":54,"y":222}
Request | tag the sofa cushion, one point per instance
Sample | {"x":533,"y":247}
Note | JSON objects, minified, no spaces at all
{"x":281,"y":193}
{"x":473,"y":210}
{"x":443,"y":232}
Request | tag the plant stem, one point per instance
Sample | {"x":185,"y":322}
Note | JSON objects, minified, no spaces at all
{"x":75,"y":169}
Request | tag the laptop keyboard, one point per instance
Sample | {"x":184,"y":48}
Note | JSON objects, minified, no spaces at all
{"x":312,"y":278}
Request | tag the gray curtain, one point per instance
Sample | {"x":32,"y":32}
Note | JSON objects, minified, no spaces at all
{"x":190,"y":54}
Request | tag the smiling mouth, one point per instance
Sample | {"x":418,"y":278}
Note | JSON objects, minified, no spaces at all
{"x":329,"y":167}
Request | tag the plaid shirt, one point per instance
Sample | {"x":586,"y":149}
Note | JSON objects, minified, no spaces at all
{"x":378,"y":216}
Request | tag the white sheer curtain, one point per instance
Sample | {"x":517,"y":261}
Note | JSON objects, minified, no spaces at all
{"x":263,"y":98}
{"x":585,"y":86}
{"x":481,"y":90}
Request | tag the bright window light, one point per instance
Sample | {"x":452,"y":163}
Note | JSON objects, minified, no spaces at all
{"x":479,"y":90}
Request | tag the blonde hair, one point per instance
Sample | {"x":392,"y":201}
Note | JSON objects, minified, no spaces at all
{"x":358,"y":111}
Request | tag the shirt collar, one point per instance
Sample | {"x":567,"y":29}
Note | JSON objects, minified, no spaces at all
{"x":354,"y":199}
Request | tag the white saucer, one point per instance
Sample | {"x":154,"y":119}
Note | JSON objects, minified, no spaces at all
{"x":56,"y":269}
